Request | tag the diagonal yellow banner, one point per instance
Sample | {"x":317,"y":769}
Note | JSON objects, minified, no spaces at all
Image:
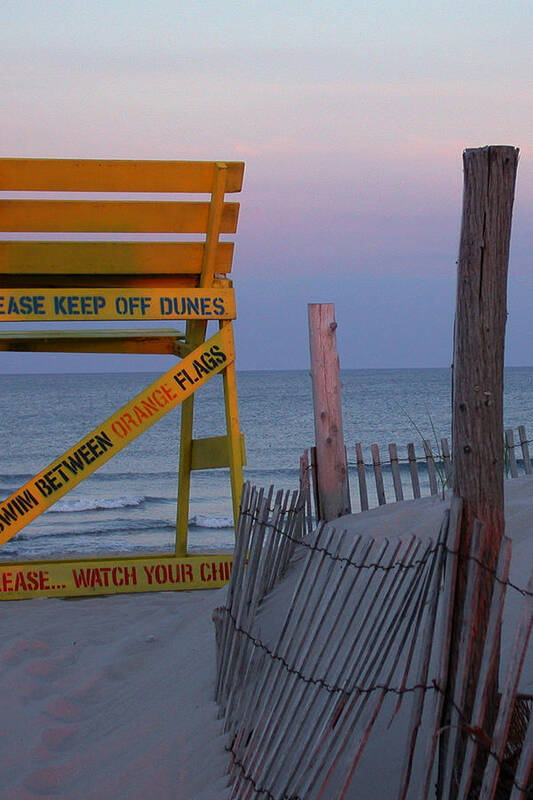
{"x":111,"y":436}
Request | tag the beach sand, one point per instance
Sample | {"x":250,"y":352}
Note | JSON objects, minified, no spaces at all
{"x":112,"y":697}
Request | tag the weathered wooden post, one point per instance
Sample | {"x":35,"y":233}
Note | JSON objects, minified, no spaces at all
{"x":331,"y":466}
{"x":477,"y":415}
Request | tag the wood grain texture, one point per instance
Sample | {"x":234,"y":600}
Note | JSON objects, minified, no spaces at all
{"x":332,"y":470}
{"x":101,"y":175}
{"x":112,"y":258}
{"x":112,"y":216}
{"x":477,"y":425}
{"x":477,"y":402}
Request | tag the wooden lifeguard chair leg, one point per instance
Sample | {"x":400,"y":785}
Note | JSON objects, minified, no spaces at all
{"x":196,"y":331}
{"x":235,"y":444}
{"x":234,"y":452}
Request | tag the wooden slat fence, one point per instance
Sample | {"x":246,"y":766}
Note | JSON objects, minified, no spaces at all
{"x":405,"y":474}
{"x":366,"y":628}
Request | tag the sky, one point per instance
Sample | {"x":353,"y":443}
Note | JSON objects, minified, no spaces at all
{"x":351,"y":117}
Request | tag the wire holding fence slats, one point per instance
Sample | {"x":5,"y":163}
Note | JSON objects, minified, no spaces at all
{"x":367,"y":621}
{"x":295,"y":707}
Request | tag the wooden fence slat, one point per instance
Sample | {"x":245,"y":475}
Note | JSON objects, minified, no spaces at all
{"x":248,"y":506}
{"x":288,"y":642}
{"x":314,"y":483}
{"x":371,"y":657}
{"x":298,"y":690}
{"x":413,"y":598}
{"x":509,"y":441}
{"x":250,"y":702}
{"x":336,"y":675}
{"x":347,"y":675}
{"x":413,"y":467}
{"x":432,"y":474}
{"x":490,"y":656}
{"x":525,"y":766}
{"x":395,"y":469}
{"x":467,"y":642}
{"x":423,"y":668}
{"x":525,"y":449}
{"x":295,"y":650}
{"x":448,"y":599}
{"x":378,"y":474}
{"x":510,"y":688}
{"x":305,"y":488}
{"x":448,"y":469}
{"x":361,"y":474}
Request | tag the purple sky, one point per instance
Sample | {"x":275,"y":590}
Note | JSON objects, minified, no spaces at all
{"x":351,"y":118}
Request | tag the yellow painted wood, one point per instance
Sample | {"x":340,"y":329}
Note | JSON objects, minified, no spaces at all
{"x":105,"y":216}
{"x":113,"y":575}
{"x":232,"y":427}
{"x":214,"y":223}
{"x":60,"y":280}
{"x":95,"y":175}
{"x":195,"y":335}
{"x":111,"y":258}
{"x":213,"y":453}
{"x":103,"y":281}
{"x":74,"y":305}
{"x":116,"y":432}
{"x":155,"y":341}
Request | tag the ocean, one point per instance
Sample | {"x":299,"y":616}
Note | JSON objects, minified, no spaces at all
{"x":128,"y":505}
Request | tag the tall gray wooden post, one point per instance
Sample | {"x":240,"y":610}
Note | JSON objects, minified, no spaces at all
{"x":477,"y":414}
{"x":331,"y":466}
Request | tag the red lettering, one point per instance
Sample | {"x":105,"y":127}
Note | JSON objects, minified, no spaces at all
{"x":105,"y":572}
{"x":118,"y":428}
{"x":169,"y":391}
{"x":155,"y":395}
{"x":161,"y":573}
{"x":33,"y":580}
{"x":81,"y":578}
{"x":116,"y":576}
{"x":130,"y":575}
{"x":44,"y":579}
{"x":20,"y":583}
{"x":149,"y":570}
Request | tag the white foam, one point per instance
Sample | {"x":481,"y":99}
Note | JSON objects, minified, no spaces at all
{"x":202,"y":521}
{"x":95,"y":503}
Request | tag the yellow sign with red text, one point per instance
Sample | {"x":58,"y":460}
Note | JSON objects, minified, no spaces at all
{"x":97,"y":576}
{"x":116,"y":432}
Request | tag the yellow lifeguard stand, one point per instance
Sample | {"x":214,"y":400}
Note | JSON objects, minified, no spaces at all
{"x":111,"y":279}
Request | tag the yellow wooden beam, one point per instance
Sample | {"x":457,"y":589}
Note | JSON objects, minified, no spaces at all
{"x":111,"y":258}
{"x":156,"y":341}
{"x":111,"y":216}
{"x":212,"y":452}
{"x":232,"y":426}
{"x":101,"y":175}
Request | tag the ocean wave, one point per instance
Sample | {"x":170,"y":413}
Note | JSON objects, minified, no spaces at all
{"x":125,"y":476}
{"x":95,"y":504}
{"x":202,"y":521}
{"x":125,"y":526}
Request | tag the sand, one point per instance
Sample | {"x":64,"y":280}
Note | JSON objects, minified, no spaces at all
{"x":112,"y":697}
